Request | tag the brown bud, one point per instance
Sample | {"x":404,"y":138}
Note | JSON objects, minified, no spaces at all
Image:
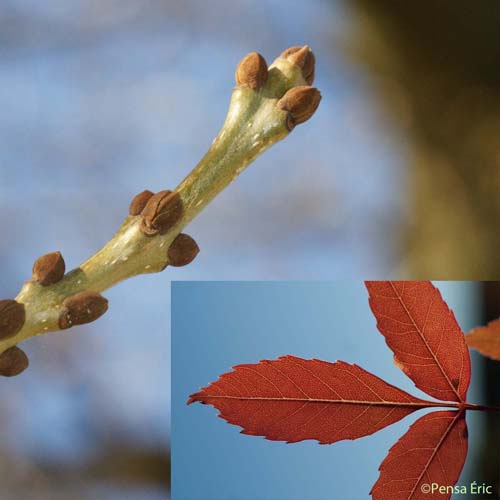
{"x":162,"y":211}
{"x":13,"y":361}
{"x":182,"y":251}
{"x":139,"y":202}
{"x":303,"y":57}
{"x":12,"y":317}
{"x":252,"y":71}
{"x":49,"y":268}
{"x":81,"y":308}
{"x":301,"y":103}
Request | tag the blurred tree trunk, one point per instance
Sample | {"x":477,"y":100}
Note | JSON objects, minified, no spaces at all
{"x":437,"y":66}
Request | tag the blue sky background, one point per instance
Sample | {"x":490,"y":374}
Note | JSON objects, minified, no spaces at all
{"x":218,"y":325}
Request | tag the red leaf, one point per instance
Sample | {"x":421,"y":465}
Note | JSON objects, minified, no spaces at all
{"x":428,"y":344}
{"x":293,"y":399}
{"x":486,"y":339}
{"x":432,"y":451}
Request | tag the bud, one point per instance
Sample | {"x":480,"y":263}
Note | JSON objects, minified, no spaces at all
{"x":13,"y":361}
{"x":162,"y":211}
{"x":83,"y":307}
{"x":301,"y":102}
{"x":12,"y":317}
{"x":252,"y":71}
{"x":49,"y":269}
{"x":182,"y":251}
{"x":303,"y":57}
{"x":139,"y":202}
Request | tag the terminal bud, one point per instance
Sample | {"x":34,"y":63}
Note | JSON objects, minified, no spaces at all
{"x":303,"y":57}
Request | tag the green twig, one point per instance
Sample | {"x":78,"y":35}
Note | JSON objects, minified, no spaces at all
{"x":266,"y":105}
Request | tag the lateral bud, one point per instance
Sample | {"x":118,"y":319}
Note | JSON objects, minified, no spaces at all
{"x":303,"y":57}
{"x":162,"y":211}
{"x":182,"y":250}
{"x":139,"y":202}
{"x":49,"y":269}
{"x":300,"y":102}
{"x":252,"y":71}
{"x":12,"y":317}
{"x":13,"y":361}
{"x":83,"y":307}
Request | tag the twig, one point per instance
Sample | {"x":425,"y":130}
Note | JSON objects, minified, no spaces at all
{"x":266,"y":105}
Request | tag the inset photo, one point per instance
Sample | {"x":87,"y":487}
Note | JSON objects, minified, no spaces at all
{"x":321,"y":390}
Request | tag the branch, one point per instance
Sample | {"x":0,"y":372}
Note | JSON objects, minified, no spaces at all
{"x":267,"y":103}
